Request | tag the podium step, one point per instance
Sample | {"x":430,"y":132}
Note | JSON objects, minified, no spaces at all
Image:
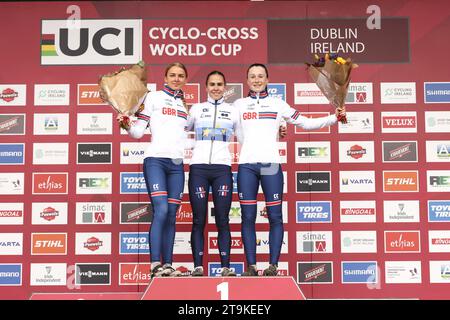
{"x":87,"y":296}
{"x":221,"y":288}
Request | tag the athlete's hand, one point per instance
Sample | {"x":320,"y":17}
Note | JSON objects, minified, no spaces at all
{"x":340,"y":112}
{"x":124,"y":121}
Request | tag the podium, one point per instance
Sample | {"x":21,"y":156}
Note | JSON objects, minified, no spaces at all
{"x":87,"y":296}
{"x":223,"y":288}
{"x":196,"y":288}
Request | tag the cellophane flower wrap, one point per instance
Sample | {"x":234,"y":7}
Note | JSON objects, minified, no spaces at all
{"x":332,"y":75}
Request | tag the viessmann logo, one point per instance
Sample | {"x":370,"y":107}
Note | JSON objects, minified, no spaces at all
{"x":93,"y":42}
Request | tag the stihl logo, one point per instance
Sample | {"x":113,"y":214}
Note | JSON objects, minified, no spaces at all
{"x":400,"y":181}
{"x":48,"y":243}
{"x":88,"y":94}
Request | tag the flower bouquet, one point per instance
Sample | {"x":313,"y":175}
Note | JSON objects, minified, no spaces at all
{"x":126,"y":89}
{"x":332,"y":75}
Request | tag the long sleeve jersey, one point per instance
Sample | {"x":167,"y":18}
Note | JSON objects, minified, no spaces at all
{"x":260,"y":117}
{"x":166,"y":115}
{"x":214,"y":123}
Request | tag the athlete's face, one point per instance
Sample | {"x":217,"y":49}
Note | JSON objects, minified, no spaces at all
{"x":215,"y":86}
{"x":257,"y":79}
{"x":175,"y":78}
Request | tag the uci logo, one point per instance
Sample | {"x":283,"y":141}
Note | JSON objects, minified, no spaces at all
{"x":94,"y":42}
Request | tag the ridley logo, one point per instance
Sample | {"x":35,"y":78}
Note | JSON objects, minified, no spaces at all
{"x":8,"y":95}
{"x":314,"y":273}
{"x":93,"y":244}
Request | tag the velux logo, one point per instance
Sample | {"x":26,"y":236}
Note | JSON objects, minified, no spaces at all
{"x":236,"y":243}
{"x":94,"y":42}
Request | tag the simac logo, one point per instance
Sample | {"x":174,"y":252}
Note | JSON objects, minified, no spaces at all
{"x":94,"y":42}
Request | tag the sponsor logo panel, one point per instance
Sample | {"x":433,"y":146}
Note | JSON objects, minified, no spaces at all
{"x":358,"y":211}
{"x":11,"y":213}
{"x":48,"y":243}
{"x":51,"y":94}
{"x":358,"y":241}
{"x":11,"y":244}
{"x":93,"y":212}
{"x":401,"y":210}
{"x":12,"y":124}
{"x":402,"y":241}
{"x":315,"y":272}
{"x":10,"y":274}
{"x":92,"y":243}
{"x":403,"y":271}
{"x":315,"y":242}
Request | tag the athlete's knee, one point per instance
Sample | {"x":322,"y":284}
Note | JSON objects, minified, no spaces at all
{"x":275,"y":217}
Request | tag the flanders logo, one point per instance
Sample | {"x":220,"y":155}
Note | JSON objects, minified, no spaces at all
{"x":94,"y":42}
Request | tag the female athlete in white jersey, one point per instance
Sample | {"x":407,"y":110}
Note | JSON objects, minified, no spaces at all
{"x":165,"y":113}
{"x":259,"y":162}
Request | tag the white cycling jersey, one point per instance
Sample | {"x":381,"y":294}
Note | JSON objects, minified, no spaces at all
{"x":260,"y":118}
{"x":214,"y":123}
{"x":166,"y":115}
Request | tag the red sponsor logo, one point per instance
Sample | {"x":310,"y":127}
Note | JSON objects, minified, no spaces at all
{"x":99,"y":217}
{"x":236,"y":243}
{"x":135,"y":273}
{"x":309,"y":93}
{"x":184,"y":213}
{"x":191,"y":93}
{"x":282,"y":152}
{"x":8,"y":95}
{"x":11,"y":213}
{"x":48,"y":243}
{"x":49,"y":183}
{"x":93,"y":244}
{"x":402,"y":241}
{"x":357,"y":211}
{"x":400,"y":181}
{"x":89,"y":94}
{"x":440,"y":241}
{"x":49,"y":214}
{"x":399,"y":122}
{"x":356,"y":151}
